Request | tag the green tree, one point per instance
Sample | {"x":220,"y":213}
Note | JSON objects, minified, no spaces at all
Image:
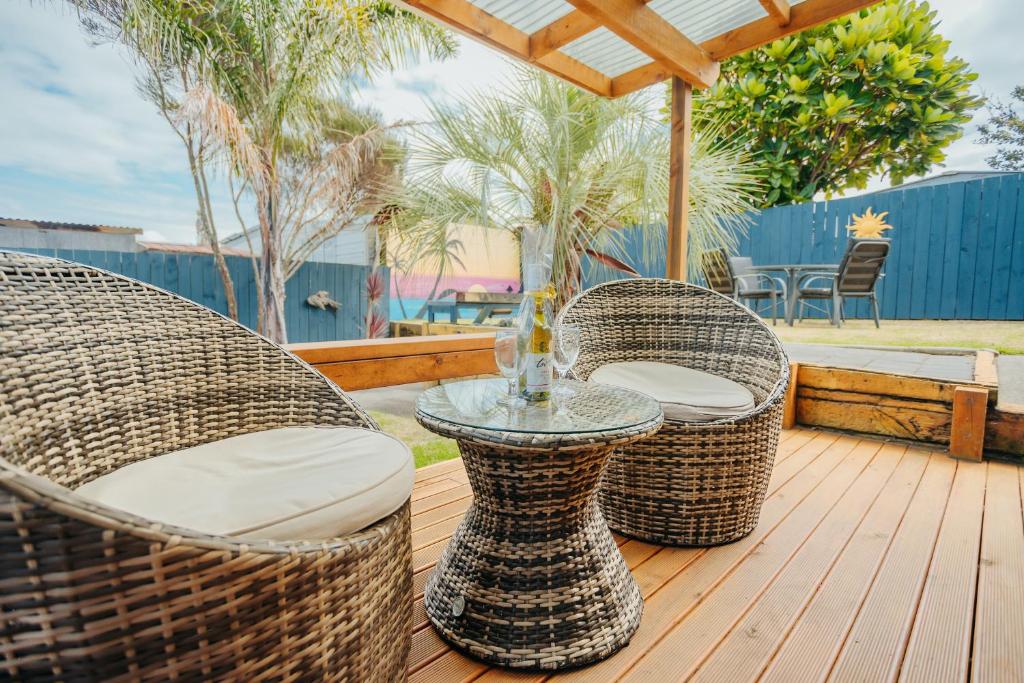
{"x":162,"y":77}
{"x":264,"y":69}
{"x":1005,"y":128}
{"x":548,"y":154}
{"x":823,"y":110}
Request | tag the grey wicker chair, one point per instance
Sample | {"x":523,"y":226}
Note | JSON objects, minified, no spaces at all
{"x":693,"y":483}
{"x":98,"y":371}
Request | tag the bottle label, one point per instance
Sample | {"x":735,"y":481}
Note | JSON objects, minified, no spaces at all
{"x":538,"y":373}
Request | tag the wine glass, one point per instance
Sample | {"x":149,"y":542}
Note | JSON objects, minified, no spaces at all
{"x":565,"y":347}
{"x":509,"y":360}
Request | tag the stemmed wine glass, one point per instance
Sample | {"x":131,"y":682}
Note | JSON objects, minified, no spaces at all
{"x":565,"y":347}
{"x":509,"y":360}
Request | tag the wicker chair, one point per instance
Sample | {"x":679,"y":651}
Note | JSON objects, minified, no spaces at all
{"x":98,"y":371}
{"x":693,"y":483}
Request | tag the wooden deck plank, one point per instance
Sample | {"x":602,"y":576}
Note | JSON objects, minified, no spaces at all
{"x":998,"y":653}
{"x":442,"y":512}
{"x":940,"y":643}
{"x":437,"y":470}
{"x":814,"y":641}
{"x":684,"y":647}
{"x":874,"y":647}
{"x":434,"y":533}
{"x":668,"y":605}
{"x":746,"y":650}
{"x":430,"y":502}
{"x":448,"y":482}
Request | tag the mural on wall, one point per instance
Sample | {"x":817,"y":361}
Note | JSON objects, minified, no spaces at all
{"x":486,"y":260}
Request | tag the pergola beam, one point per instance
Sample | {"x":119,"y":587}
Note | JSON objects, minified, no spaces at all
{"x":561,"y":32}
{"x":467,"y":18}
{"x":778,"y":9}
{"x":647,"y":31}
{"x":802,"y":16}
{"x":681,"y":114}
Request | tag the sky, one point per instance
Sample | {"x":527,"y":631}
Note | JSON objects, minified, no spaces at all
{"x":79,"y":144}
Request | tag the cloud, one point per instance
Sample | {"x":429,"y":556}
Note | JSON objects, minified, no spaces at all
{"x":78,"y":143}
{"x":406,"y":95}
{"x":76,"y":112}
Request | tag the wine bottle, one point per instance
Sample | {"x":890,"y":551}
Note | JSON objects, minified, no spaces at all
{"x":535,"y":334}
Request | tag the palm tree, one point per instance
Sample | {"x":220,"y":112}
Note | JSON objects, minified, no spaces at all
{"x":265,"y":69}
{"x":164,"y":76}
{"x":551,"y":155}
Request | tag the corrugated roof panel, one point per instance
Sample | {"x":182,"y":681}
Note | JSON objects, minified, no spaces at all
{"x":606,"y":52}
{"x":700,"y":20}
{"x":526,"y":15}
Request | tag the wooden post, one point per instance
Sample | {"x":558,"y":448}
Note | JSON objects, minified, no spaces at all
{"x":967,"y":431}
{"x":789,"y":403}
{"x":679,"y":178}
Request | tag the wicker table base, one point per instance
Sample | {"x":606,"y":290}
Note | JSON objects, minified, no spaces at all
{"x":533,"y":578}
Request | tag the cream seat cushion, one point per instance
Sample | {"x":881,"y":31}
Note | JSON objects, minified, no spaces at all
{"x":685,"y":394}
{"x":294,"y":483}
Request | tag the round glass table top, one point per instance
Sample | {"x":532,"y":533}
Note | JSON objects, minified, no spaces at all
{"x":574,"y":407}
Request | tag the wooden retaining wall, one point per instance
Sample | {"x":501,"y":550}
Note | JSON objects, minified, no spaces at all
{"x":961,"y":415}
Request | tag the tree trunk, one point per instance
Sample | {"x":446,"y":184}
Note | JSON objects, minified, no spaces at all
{"x":218,"y":255}
{"x":272,"y":275}
{"x":206,"y":221}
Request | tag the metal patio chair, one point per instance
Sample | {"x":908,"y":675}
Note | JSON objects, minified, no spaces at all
{"x":857,"y":277}
{"x":734,"y":278}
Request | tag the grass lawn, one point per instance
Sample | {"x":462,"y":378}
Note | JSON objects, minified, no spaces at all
{"x":1004,"y":337}
{"x":427,"y":447}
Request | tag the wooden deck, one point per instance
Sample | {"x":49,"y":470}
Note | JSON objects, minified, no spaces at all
{"x":872,"y":562}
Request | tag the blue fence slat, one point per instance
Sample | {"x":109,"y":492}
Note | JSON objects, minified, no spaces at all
{"x":1015,"y":298}
{"x":954,"y":219}
{"x":903,"y":242}
{"x":935,"y":235}
{"x":884,"y":203}
{"x":986,"y":248}
{"x":1002,"y":257}
{"x":921,"y":243}
{"x":968,"y":251}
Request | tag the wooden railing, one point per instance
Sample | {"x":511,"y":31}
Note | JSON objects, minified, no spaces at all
{"x":962,"y":415}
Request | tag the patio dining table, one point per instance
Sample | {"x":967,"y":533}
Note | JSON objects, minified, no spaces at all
{"x":793,"y":273}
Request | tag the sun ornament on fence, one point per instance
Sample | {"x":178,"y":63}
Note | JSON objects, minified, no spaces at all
{"x":869,"y":224}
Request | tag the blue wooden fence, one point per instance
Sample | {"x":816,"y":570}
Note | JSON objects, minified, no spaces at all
{"x":195,"y":277}
{"x":957,"y":249}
